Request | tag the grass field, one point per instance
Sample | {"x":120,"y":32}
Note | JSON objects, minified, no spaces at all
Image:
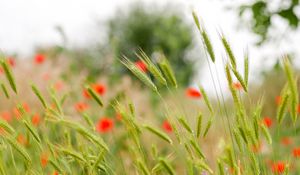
{"x":56,"y":122}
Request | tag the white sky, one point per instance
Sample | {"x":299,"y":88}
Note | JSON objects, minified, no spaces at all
{"x":26,"y":24}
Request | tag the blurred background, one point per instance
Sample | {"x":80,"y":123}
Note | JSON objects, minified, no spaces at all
{"x":91,"y":36}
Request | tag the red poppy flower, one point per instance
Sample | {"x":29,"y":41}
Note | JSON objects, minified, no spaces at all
{"x":18,"y":113}
{"x":298,"y":108}
{"x":296,"y":152}
{"x":167,"y":126}
{"x":21,"y":139}
{"x":104,"y":125}
{"x":26,"y":107}
{"x":278,"y":100}
{"x":6,"y":116}
{"x":286,"y":141}
{"x":237,"y":86}
{"x":44,"y":160}
{"x":99,"y":88}
{"x":267,"y":121}
{"x":81,"y":106}
{"x":36,"y":119}
{"x":46,"y":76}
{"x":39,"y":58}
{"x":141,"y":65}
{"x":193,"y":93}
{"x":278,"y":167}
{"x":55,"y":173}
{"x":58,"y":85}
{"x":86,"y":94}
{"x":118,"y":116}
{"x":11,"y":61}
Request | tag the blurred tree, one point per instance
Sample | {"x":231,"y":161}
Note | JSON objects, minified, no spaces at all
{"x":153,"y":30}
{"x":262,"y":12}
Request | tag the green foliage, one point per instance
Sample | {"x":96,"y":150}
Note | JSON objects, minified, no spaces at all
{"x":153,"y":31}
{"x":262,"y":14}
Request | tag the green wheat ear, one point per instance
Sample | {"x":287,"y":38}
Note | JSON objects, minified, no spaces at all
{"x":95,"y":96}
{"x":206,"y":99}
{"x":205,"y":38}
{"x":167,"y":166}
{"x":167,"y":71}
{"x":229,"y":51}
{"x":199,"y":125}
{"x":282,"y":107}
{"x":240,"y":79}
{"x":39,"y":95}
{"x":138,"y":73}
{"x":266,"y":133}
{"x":11,"y":140}
{"x":152,"y":67}
{"x":221,"y":167}
{"x":292,"y":84}
{"x":33,"y":132}
{"x":184,"y":123}
{"x":202,"y":165}
{"x":159,"y":133}
{"x":8,"y":74}
{"x":4,"y":90}
{"x":246,"y":68}
{"x":142,"y":167}
{"x":6,"y":126}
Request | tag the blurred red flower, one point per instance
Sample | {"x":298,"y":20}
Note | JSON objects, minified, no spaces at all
{"x":286,"y":141}
{"x":278,"y":100}
{"x":98,"y":88}
{"x":18,"y":113}
{"x":193,"y":93}
{"x":104,"y":125}
{"x":11,"y":61}
{"x":278,"y":167}
{"x":36,"y":119}
{"x":298,"y":108}
{"x":44,"y":159}
{"x":267,"y":121}
{"x":167,"y":126}
{"x":86,"y":94}
{"x":21,"y":139}
{"x":237,"y":86}
{"x":26,"y":107}
{"x":296,"y":152}
{"x":118,"y":116}
{"x":39,"y":58}
{"x":141,"y":65}
{"x":58,"y":85}
{"x":46,"y":76}
{"x":5,"y":115}
{"x":81,"y":106}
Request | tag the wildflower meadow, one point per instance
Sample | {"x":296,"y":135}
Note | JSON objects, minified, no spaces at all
{"x":55,"y":122}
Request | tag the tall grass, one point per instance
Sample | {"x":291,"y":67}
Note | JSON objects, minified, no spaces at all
{"x":64,"y":145}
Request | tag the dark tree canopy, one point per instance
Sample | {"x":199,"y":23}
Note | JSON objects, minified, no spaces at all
{"x":153,"y":30}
